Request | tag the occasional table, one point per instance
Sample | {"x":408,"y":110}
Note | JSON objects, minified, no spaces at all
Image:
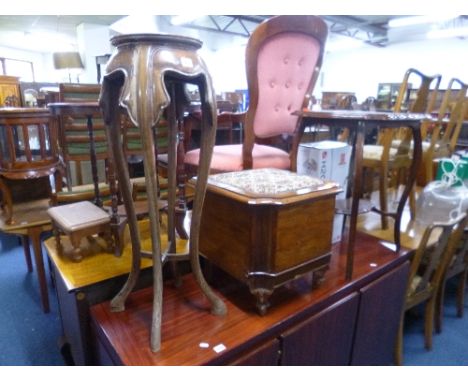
{"x":359,"y":121}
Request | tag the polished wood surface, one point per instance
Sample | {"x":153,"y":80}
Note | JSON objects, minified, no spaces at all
{"x":188,"y":325}
{"x":98,"y":265}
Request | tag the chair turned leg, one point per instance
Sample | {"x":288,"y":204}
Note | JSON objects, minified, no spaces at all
{"x":429,"y":323}
{"x":461,"y":293}
{"x":439,"y":308}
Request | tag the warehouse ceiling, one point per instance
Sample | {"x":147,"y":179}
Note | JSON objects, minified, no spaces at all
{"x":371,"y":29}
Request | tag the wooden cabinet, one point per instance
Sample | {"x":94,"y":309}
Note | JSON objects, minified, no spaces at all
{"x":387,"y":94}
{"x":339,"y":323}
{"x":10,"y":94}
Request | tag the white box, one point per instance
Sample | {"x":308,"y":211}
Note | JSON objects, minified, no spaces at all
{"x":328,"y":160}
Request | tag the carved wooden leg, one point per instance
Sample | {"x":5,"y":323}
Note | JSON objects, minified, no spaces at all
{"x":208,"y":131}
{"x":262,"y":295}
{"x":319,"y":276}
{"x":34,"y":234}
{"x":110,"y":107}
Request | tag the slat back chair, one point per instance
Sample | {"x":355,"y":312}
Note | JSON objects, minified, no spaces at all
{"x":428,"y":267}
{"x":440,"y":142}
{"x":74,"y":138}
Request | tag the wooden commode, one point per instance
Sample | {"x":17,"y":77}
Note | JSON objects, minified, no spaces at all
{"x":267,"y":226}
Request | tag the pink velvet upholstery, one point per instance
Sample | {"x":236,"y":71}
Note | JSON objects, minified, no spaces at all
{"x":285,"y":66}
{"x":229,"y":158}
{"x":283,"y":58}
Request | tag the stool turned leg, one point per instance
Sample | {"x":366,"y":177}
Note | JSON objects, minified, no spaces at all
{"x":76,"y":254}
{"x":58,"y":242}
{"x":108,"y":237}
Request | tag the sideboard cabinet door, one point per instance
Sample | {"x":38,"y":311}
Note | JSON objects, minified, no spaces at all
{"x":324,"y":339}
{"x":264,"y":355}
{"x":379,"y":317}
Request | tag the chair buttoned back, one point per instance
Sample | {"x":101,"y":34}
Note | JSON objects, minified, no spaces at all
{"x":286,"y":63}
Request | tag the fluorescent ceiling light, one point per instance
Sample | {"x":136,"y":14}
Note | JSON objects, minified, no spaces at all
{"x":344,"y":44}
{"x":447,"y":33}
{"x":416,"y":20}
{"x":135,"y":24}
{"x":183,"y":19}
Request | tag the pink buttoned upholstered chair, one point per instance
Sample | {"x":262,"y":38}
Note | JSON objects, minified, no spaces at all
{"x":283,"y":60}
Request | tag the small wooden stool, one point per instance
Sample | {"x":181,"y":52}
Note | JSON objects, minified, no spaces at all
{"x":78,"y":220}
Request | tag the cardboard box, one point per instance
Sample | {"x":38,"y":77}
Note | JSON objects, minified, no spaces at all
{"x":327,"y":160}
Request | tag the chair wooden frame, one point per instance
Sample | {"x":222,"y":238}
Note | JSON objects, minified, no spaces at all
{"x":428,"y":268}
{"x":398,"y":160}
{"x":445,"y":132}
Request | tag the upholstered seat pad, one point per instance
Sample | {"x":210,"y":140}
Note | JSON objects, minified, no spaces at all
{"x":268,"y":182}
{"x":229,"y":158}
{"x":75,"y":216}
{"x":375,"y":152}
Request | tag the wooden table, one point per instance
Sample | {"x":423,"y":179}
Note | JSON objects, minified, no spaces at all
{"x":31,"y":220}
{"x":358,"y":122}
{"x":340,"y":323}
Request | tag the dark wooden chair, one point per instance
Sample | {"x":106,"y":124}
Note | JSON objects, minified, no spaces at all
{"x":428,"y":268}
{"x":277,"y":88}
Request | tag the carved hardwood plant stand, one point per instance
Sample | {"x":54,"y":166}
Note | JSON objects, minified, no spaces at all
{"x":145,"y":75}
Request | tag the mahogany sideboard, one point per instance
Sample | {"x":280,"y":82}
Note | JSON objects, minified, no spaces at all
{"x":341,"y":322}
